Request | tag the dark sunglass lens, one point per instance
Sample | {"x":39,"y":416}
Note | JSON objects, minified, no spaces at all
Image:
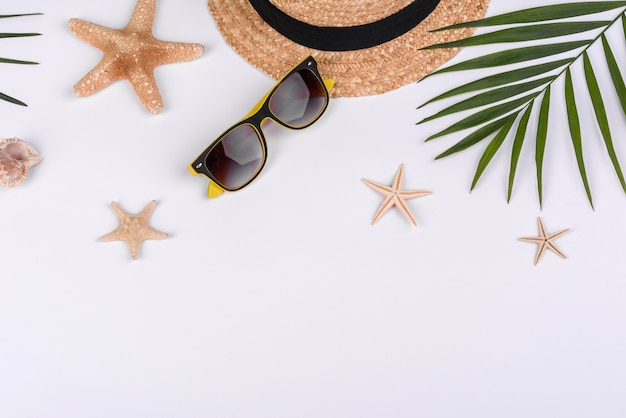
{"x":236,"y":158}
{"x":299,"y":99}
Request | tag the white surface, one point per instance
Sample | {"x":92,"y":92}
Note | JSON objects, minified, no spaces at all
{"x":282,"y":300}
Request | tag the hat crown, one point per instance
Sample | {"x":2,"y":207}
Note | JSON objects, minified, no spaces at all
{"x":340,"y":13}
{"x":367,"y":46}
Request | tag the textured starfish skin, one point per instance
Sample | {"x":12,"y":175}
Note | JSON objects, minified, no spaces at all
{"x":394,"y":196}
{"x":131,"y":53}
{"x":134,"y":228}
{"x":545,"y":241}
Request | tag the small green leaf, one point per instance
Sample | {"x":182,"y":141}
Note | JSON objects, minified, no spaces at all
{"x":3,"y":96}
{"x":490,"y":97}
{"x":542,"y":14}
{"x":542,"y":136}
{"x":512,"y":56}
{"x":616,"y":75}
{"x":517,"y":147}
{"x":524,"y":33}
{"x":492,"y":148}
{"x":17,"y":35}
{"x":25,"y":14}
{"x":574,"y":128}
{"x":11,"y":61}
{"x":601,"y":117}
{"x":485,"y":115}
{"x":474,"y":138}
{"x":502,"y":79}
{"x":11,"y":99}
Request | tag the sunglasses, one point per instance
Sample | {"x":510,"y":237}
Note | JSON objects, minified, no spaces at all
{"x":238,"y":155}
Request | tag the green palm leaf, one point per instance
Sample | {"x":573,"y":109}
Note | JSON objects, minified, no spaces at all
{"x":485,"y":115}
{"x":12,"y":61}
{"x":574,"y":128}
{"x":513,"y":56}
{"x":3,"y":96}
{"x":475,"y":137}
{"x":23,"y":14}
{"x":540,"y":144}
{"x":543,"y":13}
{"x":524,"y":33}
{"x":490,"y":97}
{"x":492,"y":148}
{"x":11,"y":100}
{"x":517,"y":147}
{"x":600,"y":111}
{"x":500,"y":79}
{"x":536,"y":80}
{"x":17,"y":35}
{"x":616,"y":75}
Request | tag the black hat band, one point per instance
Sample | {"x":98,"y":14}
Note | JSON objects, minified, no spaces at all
{"x":330,"y":38}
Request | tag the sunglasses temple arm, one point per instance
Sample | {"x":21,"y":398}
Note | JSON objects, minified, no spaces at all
{"x":214,"y":190}
{"x":329,"y":83}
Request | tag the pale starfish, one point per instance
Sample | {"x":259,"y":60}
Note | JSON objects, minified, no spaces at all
{"x":394,"y":196}
{"x":131,"y":53}
{"x":545,"y":241}
{"x":134,"y":228}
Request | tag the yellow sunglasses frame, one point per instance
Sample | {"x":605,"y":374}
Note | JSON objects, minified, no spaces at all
{"x":214,"y":190}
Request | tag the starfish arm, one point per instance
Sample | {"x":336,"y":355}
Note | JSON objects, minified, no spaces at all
{"x":555,"y":250}
{"x":119,"y":212}
{"x":95,"y":35}
{"x":134,"y":245}
{"x":557,"y":234}
{"x":385,"y":190}
{"x":172,"y":52}
{"x":111,"y":236}
{"x":398,"y":179}
{"x":152,"y":233}
{"x":147,"y":211}
{"x":387,"y":204}
{"x":540,"y":251}
{"x":122,"y":218}
{"x":536,"y":240}
{"x":101,"y":76}
{"x":142,"y":18}
{"x":402,"y":205}
{"x":410,"y":194}
{"x":542,"y":231}
{"x":145,"y":215}
{"x":145,"y":87}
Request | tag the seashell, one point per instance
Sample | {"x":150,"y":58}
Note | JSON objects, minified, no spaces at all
{"x":16,"y":158}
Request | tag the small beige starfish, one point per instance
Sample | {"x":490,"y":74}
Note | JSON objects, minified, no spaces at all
{"x":394,"y":196}
{"x":545,"y":241}
{"x":131,"y":53}
{"x":134,"y":228}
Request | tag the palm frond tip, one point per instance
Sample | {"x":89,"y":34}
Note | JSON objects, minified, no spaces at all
{"x":501,"y":90}
{"x":3,"y":96}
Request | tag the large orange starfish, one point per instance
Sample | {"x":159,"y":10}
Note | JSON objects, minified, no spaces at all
{"x":394,"y":196}
{"x":134,"y":228}
{"x":131,"y":53}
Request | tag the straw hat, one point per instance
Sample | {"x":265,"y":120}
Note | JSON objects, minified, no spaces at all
{"x":367,"y":46}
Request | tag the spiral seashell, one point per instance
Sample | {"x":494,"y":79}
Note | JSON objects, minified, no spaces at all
{"x":16,"y":158}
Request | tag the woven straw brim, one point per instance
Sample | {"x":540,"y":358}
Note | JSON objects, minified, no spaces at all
{"x":361,"y":72}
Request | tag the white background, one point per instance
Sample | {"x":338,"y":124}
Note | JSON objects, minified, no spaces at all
{"x":282,"y":300}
